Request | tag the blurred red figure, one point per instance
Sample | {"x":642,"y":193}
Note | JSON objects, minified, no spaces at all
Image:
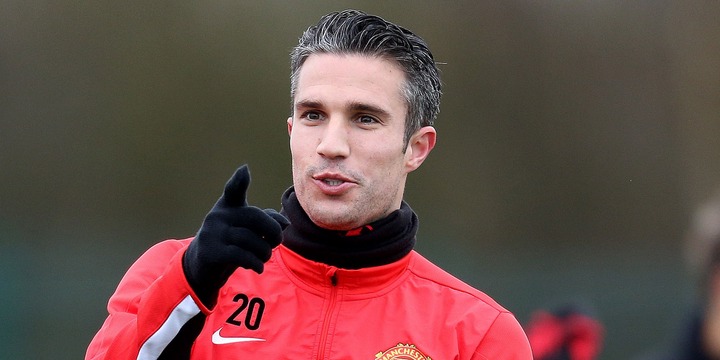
{"x":565,"y":334}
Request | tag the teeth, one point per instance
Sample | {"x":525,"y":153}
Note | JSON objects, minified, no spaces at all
{"x":333,"y":182}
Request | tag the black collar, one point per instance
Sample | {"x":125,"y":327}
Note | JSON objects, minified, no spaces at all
{"x":378,"y":243}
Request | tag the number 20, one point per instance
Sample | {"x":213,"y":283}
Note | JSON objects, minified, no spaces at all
{"x":255,"y":308}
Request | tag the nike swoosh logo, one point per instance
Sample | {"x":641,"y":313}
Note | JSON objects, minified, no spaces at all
{"x":218,"y":339}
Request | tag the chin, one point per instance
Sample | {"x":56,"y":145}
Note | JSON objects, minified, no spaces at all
{"x":333,"y":224}
{"x":331,"y":221}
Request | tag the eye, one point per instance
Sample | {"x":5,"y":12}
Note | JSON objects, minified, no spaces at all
{"x":312,"y":116}
{"x":367,"y":120}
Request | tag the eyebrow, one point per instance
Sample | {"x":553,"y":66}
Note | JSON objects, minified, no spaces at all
{"x":364,"y":107}
{"x":307,"y":104}
{"x":353,"y":106}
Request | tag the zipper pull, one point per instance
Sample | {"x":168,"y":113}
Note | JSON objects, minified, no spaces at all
{"x":332,"y":274}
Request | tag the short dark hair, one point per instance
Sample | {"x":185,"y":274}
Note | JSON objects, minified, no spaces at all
{"x":355,"y":32}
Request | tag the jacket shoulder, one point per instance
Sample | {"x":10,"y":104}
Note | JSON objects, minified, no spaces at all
{"x":491,"y":330}
{"x":427,"y":270}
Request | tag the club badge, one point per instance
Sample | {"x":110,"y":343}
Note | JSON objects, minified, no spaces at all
{"x":402,"y":352}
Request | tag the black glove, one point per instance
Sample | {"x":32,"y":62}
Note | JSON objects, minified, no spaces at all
{"x":232,"y":235}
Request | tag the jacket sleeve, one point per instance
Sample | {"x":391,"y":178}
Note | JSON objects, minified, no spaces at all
{"x":150,"y":306}
{"x":505,"y":340}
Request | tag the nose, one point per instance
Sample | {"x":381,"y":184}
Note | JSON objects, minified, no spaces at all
{"x":334,"y":141}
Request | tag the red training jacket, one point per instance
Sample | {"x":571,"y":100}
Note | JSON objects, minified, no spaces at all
{"x":300,"y":309}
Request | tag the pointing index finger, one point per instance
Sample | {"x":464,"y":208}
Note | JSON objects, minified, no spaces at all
{"x":235,"y":193}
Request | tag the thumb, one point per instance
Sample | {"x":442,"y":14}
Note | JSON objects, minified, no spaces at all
{"x":280,"y":218}
{"x":235,"y":193}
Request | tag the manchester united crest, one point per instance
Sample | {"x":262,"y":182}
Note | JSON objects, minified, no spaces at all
{"x":402,"y":352}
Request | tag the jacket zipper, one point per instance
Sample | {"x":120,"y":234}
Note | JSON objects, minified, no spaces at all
{"x":332,"y":275}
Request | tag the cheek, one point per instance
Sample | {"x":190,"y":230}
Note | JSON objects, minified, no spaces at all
{"x":298,"y":147}
{"x":389,"y":154}
{"x":293,"y":141}
{"x":295,"y":157}
{"x":387,"y":166}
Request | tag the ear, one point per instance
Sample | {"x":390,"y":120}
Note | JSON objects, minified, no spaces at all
{"x":289,"y":124}
{"x":419,"y":147}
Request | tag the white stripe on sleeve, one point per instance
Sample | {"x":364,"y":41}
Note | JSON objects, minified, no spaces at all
{"x":155,"y":344}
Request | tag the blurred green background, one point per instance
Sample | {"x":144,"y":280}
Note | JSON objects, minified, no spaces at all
{"x":575,"y":139}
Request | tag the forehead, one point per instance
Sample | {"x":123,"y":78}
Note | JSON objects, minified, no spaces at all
{"x":354,"y":78}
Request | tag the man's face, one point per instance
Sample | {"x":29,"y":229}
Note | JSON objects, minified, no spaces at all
{"x":349,"y":161}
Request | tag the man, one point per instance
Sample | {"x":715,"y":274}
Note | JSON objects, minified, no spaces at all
{"x":699,"y":336}
{"x":567,"y":332}
{"x":345,"y":283}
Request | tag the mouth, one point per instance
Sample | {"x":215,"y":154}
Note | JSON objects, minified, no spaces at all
{"x":332,"y":179}
{"x":333,"y":183}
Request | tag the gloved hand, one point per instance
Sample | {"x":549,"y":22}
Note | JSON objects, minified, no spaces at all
{"x":232,"y":235}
